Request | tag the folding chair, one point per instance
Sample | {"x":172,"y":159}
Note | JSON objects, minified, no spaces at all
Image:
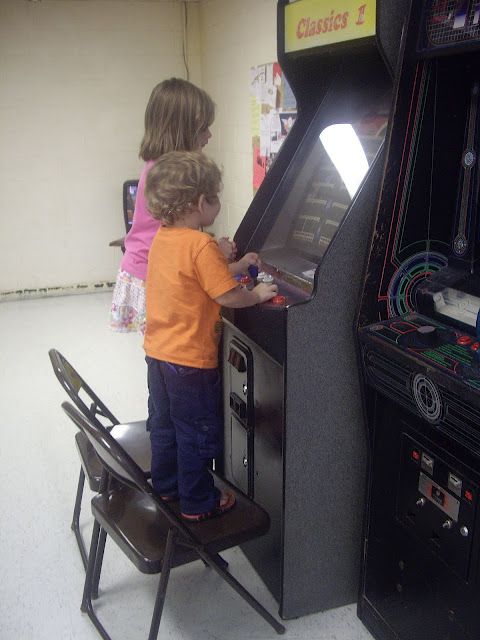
{"x":152,"y":532}
{"x":133,"y":436}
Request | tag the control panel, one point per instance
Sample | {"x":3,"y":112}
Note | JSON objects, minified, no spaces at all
{"x":441,"y":346}
{"x":291,"y":289}
{"x":430,"y":369}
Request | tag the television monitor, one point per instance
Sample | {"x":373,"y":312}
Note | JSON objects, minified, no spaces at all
{"x":129,"y":198}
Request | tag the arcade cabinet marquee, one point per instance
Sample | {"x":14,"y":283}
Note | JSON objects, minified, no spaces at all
{"x":304,"y":29}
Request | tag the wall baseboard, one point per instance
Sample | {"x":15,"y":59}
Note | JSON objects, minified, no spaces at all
{"x":62,"y":290}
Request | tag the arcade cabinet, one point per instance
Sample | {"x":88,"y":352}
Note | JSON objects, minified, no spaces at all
{"x":294,"y":437}
{"x":419,"y":335}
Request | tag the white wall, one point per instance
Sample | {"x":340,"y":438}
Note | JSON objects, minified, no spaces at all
{"x":236,"y":35}
{"x":75,"y":79}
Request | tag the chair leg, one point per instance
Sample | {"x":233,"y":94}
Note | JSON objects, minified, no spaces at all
{"x":162,"y":587}
{"x":98,"y":563}
{"x":219,"y":558}
{"x":246,"y":595}
{"x":87,"y":606}
{"x":221,"y":561}
{"x":76,"y":518}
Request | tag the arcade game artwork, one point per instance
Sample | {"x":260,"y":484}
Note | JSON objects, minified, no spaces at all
{"x":294,"y":439}
{"x":419,"y":335}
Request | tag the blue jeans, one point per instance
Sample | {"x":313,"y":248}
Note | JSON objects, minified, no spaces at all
{"x":186,"y":432}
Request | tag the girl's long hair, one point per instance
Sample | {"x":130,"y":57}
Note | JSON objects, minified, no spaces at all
{"x":177,"y":112}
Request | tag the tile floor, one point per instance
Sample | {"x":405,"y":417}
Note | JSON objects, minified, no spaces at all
{"x":42,"y":574}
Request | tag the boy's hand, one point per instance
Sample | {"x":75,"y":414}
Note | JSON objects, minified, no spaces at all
{"x":241,"y":267}
{"x":265,"y":291}
{"x":228,"y":248}
{"x":240,"y":297}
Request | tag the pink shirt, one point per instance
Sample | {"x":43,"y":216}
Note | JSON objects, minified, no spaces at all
{"x":139,"y":239}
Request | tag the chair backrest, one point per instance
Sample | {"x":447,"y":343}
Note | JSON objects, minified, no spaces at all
{"x":77,"y":389}
{"x":121,"y":466}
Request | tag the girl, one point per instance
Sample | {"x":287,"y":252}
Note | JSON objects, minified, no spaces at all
{"x":177,"y":118}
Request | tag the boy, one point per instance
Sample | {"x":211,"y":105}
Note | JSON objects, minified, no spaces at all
{"x":188,"y":280}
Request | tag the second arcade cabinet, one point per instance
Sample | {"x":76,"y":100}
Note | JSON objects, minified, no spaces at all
{"x":419,"y":335}
{"x":294,"y":439}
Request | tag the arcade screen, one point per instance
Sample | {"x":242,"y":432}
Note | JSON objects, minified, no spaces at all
{"x":323,"y":191}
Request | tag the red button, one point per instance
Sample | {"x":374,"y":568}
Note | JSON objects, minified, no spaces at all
{"x":279,"y":300}
{"x":245,"y":280}
{"x":474,"y":346}
{"x":464,"y":340}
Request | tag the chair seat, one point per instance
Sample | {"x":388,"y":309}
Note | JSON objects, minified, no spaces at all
{"x":135,"y":439}
{"x":134,"y":522}
{"x":132,"y":436}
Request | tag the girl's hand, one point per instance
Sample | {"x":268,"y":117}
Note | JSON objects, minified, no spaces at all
{"x":228,"y":248}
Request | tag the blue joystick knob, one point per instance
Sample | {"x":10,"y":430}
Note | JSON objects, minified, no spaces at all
{"x":253,"y":271}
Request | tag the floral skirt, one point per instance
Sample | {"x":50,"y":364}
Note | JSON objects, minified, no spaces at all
{"x":128,"y":304}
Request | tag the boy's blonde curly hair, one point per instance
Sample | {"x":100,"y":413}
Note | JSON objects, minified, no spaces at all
{"x":176,"y":181}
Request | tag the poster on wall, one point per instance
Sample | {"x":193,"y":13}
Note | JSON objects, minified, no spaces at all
{"x":273,"y":112}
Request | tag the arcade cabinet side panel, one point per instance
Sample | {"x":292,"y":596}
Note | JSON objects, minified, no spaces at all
{"x":325,"y":450}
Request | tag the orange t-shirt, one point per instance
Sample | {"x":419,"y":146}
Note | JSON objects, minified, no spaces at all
{"x":186,"y":270}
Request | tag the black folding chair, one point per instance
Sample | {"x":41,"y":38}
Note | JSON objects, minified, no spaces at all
{"x":133,"y":436}
{"x":152,"y":532}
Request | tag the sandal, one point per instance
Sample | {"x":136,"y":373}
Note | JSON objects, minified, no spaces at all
{"x":229,"y":503}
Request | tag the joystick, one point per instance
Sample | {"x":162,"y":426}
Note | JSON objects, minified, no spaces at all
{"x":428,"y":334}
{"x":253,"y":271}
